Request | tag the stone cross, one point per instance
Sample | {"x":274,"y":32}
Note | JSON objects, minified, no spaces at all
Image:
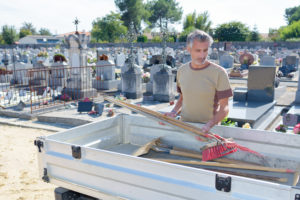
{"x":76,"y":22}
{"x":131,"y":36}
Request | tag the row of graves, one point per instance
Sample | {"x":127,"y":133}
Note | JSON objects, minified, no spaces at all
{"x":45,"y":82}
{"x":238,"y":61}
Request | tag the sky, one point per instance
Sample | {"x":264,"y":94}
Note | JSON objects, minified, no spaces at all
{"x":58,"y":15}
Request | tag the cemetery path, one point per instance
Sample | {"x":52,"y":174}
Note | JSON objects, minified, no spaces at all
{"x":19,"y":177}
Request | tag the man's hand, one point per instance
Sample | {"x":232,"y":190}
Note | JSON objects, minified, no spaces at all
{"x":206,"y":128}
{"x":171,"y":114}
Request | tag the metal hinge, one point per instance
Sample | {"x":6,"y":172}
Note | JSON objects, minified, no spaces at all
{"x":223,"y":183}
{"x":39,"y":144}
{"x":76,"y":152}
{"x":45,"y":176}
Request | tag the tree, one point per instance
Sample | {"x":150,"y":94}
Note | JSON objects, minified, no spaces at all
{"x":24,"y":32}
{"x":254,"y":35}
{"x":201,"y":21}
{"x":9,"y":34}
{"x":29,"y":26}
{"x":185,"y":33}
{"x":109,"y":28}
{"x":44,"y":31}
{"x":290,"y":31}
{"x":232,"y":31}
{"x":142,"y":38}
{"x":1,"y":40}
{"x":292,"y":14}
{"x":132,"y":11}
{"x":274,"y":34}
{"x":163,"y":11}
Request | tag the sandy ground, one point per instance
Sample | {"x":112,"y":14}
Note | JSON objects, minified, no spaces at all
{"x":19,"y":179}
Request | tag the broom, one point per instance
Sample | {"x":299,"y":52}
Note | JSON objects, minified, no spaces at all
{"x":212,"y":151}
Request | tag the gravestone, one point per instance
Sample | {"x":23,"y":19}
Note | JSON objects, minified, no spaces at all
{"x":214,"y":54}
{"x":289,"y":64}
{"x":131,"y":73}
{"x":255,"y":104}
{"x":153,"y":70}
{"x":39,"y":75}
{"x":186,"y":57}
{"x":157,"y":59}
{"x":267,"y":61}
{"x":120,"y":60}
{"x":261,"y":83}
{"x":25,"y":58}
{"x":132,"y":81}
{"x":292,"y":117}
{"x":79,"y":84}
{"x":59,"y":74}
{"x":226,"y":61}
{"x":163,"y":84}
{"x":21,"y":73}
{"x":105,"y":72}
{"x":297,"y":99}
{"x":140,"y":58}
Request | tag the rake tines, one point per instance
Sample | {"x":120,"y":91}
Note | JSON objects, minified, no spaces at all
{"x":223,"y":149}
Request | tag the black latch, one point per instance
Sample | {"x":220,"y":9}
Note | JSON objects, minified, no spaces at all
{"x":297,"y":196}
{"x":45,"y":177}
{"x":223,"y":183}
{"x":39,"y":144}
{"x":76,"y":152}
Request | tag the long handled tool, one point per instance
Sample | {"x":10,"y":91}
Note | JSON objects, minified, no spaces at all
{"x":226,"y":165}
{"x":145,"y":148}
{"x":157,"y":146}
{"x":223,"y":146}
{"x":261,"y":177}
{"x":196,"y":155}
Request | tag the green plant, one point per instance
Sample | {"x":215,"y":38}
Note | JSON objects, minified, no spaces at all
{"x":156,"y":39}
{"x":142,"y":38}
{"x":227,"y":122}
{"x":281,"y":128}
{"x":43,"y":54}
{"x":59,"y":58}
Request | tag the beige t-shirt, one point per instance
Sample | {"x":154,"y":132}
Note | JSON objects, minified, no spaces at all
{"x":201,"y":90}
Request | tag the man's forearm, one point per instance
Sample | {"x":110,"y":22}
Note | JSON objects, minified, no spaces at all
{"x":219,"y":116}
{"x":178,"y":105}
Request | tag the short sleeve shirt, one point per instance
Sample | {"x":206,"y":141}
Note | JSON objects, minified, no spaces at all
{"x":201,"y":90}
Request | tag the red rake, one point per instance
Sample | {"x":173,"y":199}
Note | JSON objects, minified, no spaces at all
{"x":222,"y":148}
{"x":212,"y":151}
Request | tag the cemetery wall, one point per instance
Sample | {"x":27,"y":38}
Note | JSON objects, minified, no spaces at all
{"x":175,"y":45}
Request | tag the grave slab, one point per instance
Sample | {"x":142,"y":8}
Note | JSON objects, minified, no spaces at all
{"x":248,"y":112}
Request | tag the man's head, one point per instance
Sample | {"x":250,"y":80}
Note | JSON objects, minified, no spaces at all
{"x":198,"y":43}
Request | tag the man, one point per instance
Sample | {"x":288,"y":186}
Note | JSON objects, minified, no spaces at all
{"x":203,"y":86}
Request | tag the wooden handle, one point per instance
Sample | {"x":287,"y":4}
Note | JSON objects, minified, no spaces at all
{"x":186,"y":154}
{"x":227,"y":165}
{"x":160,"y":116}
{"x":195,"y":154}
{"x":296,"y":178}
{"x":256,"y":176}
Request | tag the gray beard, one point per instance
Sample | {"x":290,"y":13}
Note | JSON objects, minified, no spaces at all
{"x":197,"y":63}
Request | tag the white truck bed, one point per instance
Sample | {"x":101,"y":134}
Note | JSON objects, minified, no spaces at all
{"x":95,"y":159}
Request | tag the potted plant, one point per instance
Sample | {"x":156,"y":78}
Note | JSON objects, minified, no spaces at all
{"x":42,"y":55}
{"x":59,"y":58}
{"x":146,"y":77}
{"x":281,"y":128}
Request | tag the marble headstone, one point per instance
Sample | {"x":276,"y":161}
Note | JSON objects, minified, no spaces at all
{"x":226,"y":61}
